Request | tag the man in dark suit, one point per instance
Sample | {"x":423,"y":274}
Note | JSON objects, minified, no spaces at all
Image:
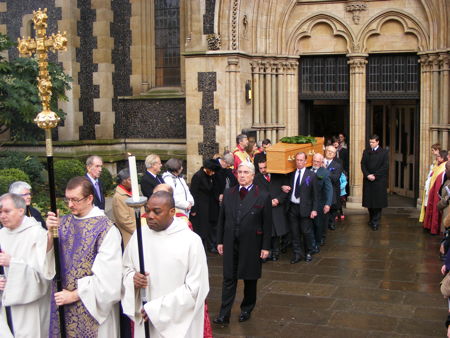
{"x":94,"y":166}
{"x":375,"y":165}
{"x":243,"y":237}
{"x":272,"y":183}
{"x":325,"y":189}
{"x":151,"y":176}
{"x":304,"y":202}
{"x":262,"y":156}
{"x":334,"y":166}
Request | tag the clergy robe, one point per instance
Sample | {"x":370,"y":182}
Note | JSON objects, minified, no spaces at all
{"x":28,"y":280}
{"x":435,"y":171}
{"x":178,"y":282}
{"x":91,"y":260}
{"x":432,"y":220}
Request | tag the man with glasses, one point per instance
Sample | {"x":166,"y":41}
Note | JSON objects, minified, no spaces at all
{"x":91,"y":265}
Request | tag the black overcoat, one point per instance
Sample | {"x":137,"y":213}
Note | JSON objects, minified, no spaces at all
{"x":202,"y":190}
{"x":280,"y":226}
{"x":253,"y":218}
{"x":376,"y":163}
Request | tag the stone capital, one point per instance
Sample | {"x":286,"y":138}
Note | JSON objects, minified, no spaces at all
{"x":357,"y":63}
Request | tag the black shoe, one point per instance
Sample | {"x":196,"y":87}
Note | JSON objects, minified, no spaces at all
{"x":375,"y":227}
{"x":315,"y":250}
{"x":275,"y":258}
{"x":295,"y":259}
{"x":332,"y":227}
{"x":308,"y":258}
{"x":244,"y":316}
{"x":221,"y":320}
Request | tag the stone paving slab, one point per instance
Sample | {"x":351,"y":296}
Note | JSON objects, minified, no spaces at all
{"x":362,"y":284}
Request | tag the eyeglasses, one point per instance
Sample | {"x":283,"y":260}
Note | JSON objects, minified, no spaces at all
{"x":73,"y":200}
{"x":26,"y":194}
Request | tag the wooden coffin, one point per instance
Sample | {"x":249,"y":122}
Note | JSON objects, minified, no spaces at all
{"x":281,"y":156}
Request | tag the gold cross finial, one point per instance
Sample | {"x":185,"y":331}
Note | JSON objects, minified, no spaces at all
{"x":40,"y":46}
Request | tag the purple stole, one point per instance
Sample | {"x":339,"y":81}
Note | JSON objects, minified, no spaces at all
{"x":79,"y":242}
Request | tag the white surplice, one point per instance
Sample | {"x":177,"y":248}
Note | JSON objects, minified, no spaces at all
{"x":28,"y":280}
{"x":100,"y":292}
{"x":178,"y":282}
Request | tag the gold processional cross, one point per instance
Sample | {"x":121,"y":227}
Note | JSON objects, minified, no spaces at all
{"x":40,"y":46}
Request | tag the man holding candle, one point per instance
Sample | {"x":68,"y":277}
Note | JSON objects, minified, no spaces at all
{"x":91,"y":265}
{"x":176,"y":279}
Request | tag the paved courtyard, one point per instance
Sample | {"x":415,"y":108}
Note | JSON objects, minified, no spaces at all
{"x":362,"y":284}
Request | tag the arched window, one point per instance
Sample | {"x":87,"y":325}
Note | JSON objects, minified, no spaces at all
{"x":167,"y":43}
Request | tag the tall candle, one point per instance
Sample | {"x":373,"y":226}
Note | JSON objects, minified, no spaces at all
{"x":134,"y":179}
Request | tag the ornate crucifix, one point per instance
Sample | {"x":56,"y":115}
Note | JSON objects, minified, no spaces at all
{"x":47,"y":119}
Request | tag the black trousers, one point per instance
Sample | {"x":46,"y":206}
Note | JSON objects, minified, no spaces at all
{"x":320,"y":226}
{"x":374,"y":216}
{"x":229,"y":289}
{"x":301,"y":231}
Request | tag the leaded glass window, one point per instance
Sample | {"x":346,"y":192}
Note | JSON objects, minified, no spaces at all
{"x":167,"y":42}
{"x":324,"y":76}
{"x":393,"y":76}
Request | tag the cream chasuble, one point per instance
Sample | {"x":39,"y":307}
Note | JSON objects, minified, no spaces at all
{"x":28,"y":280}
{"x":178,"y":282}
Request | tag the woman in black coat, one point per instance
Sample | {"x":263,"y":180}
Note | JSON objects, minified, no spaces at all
{"x":204,"y":214}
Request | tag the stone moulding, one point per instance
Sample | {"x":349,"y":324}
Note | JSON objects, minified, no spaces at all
{"x":410,"y":25}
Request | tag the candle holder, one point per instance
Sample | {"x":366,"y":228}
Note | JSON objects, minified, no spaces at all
{"x":137,"y":205}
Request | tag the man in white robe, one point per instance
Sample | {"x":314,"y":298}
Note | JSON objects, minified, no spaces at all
{"x":25,"y":288}
{"x":176,"y":280}
{"x":91,"y":266}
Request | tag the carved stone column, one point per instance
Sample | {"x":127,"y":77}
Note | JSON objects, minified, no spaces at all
{"x":268,"y":97}
{"x":434,"y":58}
{"x":357,"y":64}
{"x":232,"y":114}
{"x":291,"y":106}
{"x":280,"y":100}
{"x":255,"y":93}
{"x":261,"y":96}
{"x":444,"y":66}
{"x":425,"y":118}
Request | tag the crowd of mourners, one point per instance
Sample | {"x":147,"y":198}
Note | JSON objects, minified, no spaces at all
{"x":435,"y":213}
{"x":234,"y":206}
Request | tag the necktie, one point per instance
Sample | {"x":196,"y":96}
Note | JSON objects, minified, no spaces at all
{"x":297,"y":185}
{"x":97,"y":189}
{"x":267,"y":176}
{"x":159,"y":179}
{"x":243,"y":192}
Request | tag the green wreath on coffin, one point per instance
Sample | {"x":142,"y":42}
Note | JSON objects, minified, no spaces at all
{"x":300,"y":139}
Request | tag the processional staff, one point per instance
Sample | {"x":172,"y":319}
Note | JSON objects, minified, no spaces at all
{"x":136,"y":202}
{"x":47,"y":119}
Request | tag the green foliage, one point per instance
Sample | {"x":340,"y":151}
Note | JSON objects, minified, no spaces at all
{"x":19,"y":99}
{"x":300,"y":139}
{"x":42,"y":203}
{"x":29,"y":164}
{"x":107,"y":181}
{"x":64,"y":171}
{"x":8,"y":176}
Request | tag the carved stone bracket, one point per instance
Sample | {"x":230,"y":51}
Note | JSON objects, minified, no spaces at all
{"x":234,"y":25}
{"x":356,"y":8}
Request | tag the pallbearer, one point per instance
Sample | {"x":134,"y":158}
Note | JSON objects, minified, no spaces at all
{"x":25,"y":288}
{"x":91,"y":266}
